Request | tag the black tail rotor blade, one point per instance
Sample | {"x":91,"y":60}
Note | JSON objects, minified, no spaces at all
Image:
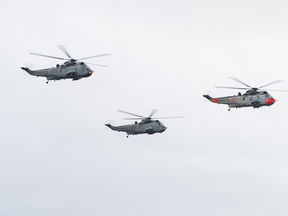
{"x":48,"y":56}
{"x":239,"y":81}
{"x":276,"y":81}
{"x":64,"y":50}
{"x":131,"y":114}
{"x":105,"y":54}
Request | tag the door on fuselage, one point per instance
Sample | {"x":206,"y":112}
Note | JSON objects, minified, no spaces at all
{"x":78,"y":69}
{"x":59,"y":70}
{"x":244,"y":98}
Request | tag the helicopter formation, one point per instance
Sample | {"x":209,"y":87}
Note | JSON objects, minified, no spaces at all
{"x":76,"y":69}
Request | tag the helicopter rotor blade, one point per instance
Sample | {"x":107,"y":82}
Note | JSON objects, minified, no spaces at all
{"x":133,"y":118}
{"x":48,"y":56}
{"x":153,"y":112}
{"x":274,"y":90}
{"x":169,"y":117}
{"x":276,"y":81}
{"x":29,"y":65}
{"x":154,"y":118}
{"x":239,"y":81}
{"x":231,"y":87}
{"x":105,"y":54}
{"x":64,"y":50}
{"x":96,"y":64}
{"x":131,"y":113}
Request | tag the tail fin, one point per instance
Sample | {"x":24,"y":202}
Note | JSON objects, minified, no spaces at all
{"x":214,"y":100}
{"x":28,"y":70}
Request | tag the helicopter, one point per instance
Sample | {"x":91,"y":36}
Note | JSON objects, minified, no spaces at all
{"x":71,"y":69}
{"x":146,"y":126}
{"x":252,"y":97}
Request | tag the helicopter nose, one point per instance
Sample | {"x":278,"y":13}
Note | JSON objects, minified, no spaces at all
{"x":269,"y":101}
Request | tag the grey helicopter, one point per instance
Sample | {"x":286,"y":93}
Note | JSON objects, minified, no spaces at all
{"x":71,"y":69}
{"x":146,"y":126}
{"x":251,"y":98}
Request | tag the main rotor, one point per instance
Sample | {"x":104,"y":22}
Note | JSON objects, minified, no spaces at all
{"x":149,"y":118}
{"x":70,"y":58}
{"x":250,"y":87}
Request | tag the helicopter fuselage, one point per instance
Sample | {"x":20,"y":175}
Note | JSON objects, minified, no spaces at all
{"x":144,"y":127}
{"x":69,"y":70}
{"x":249,"y":99}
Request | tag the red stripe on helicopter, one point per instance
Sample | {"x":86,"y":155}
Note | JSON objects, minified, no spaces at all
{"x":215,"y":100}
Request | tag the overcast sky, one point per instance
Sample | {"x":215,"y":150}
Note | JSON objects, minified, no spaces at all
{"x":57,"y":157}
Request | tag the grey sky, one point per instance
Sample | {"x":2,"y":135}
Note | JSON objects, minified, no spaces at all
{"x":58,"y":158}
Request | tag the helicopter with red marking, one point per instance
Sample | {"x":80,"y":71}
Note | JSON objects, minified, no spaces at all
{"x":253,"y":97}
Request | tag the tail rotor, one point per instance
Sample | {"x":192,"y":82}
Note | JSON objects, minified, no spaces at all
{"x":109,"y":122}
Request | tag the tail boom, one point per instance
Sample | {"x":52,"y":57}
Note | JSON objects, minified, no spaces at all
{"x":119,"y":128}
{"x":213,"y":100}
{"x":28,"y":70}
{"x":110,"y":126}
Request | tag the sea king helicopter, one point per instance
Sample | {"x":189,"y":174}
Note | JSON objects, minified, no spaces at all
{"x":146,"y":126}
{"x":252,"y":97}
{"x":71,"y":69}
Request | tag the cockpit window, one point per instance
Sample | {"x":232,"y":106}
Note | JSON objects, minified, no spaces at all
{"x":269,"y":96}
